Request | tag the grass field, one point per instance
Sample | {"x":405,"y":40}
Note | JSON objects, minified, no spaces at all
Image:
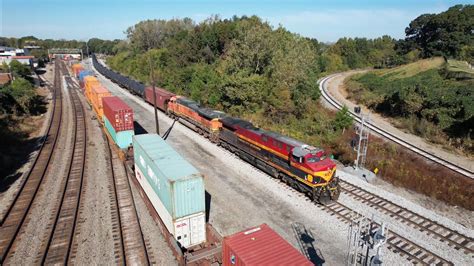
{"x":459,"y":69}
{"x":410,"y":70}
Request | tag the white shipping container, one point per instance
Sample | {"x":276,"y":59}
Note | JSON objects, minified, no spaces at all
{"x":188,"y":231}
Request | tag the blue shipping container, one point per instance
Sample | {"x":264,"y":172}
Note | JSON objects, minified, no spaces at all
{"x":123,"y":139}
{"x":85,"y":73}
{"x":178,"y":185}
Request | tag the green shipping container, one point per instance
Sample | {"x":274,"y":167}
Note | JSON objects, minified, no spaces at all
{"x":123,"y":139}
{"x":178,"y":185}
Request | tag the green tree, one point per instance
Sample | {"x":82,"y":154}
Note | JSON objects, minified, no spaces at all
{"x":442,"y":34}
{"x":22,"y":92}
{"x":343,"y":119}
{"x":19,"y":70}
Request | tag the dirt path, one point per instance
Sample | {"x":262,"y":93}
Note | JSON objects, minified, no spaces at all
{"x":336,"y":89}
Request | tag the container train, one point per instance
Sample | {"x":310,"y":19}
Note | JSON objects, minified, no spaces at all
{"x":303,"y":167}
{"x":174,"y":189}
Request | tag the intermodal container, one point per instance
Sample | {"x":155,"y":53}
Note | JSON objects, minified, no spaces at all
{"x":96,"y":95}
{"x":89,"y":82}
{"x":123,"y":138}
{"x":76,"y":68}
{"x":260,"y":246}
{"x":119,"y":114}
{"x":162,"y":97}
{"x":82,"y":75}
{"x":173,"y":186}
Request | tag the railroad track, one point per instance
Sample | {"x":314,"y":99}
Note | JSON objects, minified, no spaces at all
{"x":396,"y":243}
{"x":129,"y":244}
{"x":17,"y":212}
{"x":56,"y":249}
{"x":444,"y":234}
{"x":434,"y":158}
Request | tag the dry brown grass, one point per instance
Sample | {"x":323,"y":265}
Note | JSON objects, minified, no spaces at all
{"x":404,"y":168}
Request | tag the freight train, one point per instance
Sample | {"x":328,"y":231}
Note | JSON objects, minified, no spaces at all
{"x":303,"y":167}
{"x":174,"y":189}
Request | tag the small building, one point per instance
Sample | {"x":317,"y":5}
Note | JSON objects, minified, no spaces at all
{"x":24,"y":59}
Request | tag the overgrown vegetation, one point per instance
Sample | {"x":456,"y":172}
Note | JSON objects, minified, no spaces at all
{"x":18,"y":102}
{"x":425,"y":102}
{"x":268,"y":76}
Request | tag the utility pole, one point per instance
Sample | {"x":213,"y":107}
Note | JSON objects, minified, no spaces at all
{"x":152,"y":80}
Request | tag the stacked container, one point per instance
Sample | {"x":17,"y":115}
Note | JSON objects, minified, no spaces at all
{"x":260,"y":246}
{"x":76,"y":69}
{"x":173,"y":186}
{"x":118,"y":121}
{"x":95,"y":97}
{"x":89,"y":82}
{"x":82,"y":75}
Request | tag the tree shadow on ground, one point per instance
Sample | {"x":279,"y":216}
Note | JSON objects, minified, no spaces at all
{"x":38,"y":105}
{"x":17,"y":151}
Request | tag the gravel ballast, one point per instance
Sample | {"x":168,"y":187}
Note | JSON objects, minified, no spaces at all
{"x":241,"y":195}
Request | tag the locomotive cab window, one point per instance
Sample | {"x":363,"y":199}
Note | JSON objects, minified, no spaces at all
{"x":313,"y":159}
{"x":298,"y":159}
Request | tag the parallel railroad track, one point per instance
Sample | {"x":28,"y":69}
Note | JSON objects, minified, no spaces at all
{"x":396,"y":243}
{"x":17,"y":212}
{"x":129,"y":244}
{"x":434,"y":158}
{"x":444,"y":234}
{"x":57,"y":247}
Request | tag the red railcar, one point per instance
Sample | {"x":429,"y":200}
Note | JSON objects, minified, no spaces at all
{"x":119,"y":114}
{"x":260,"y":246}
{"x":162,"y":97}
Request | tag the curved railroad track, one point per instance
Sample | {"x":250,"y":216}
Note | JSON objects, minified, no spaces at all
{"x":451,"y":237}
{"x":434,"y":158}
{"x":56,"y":248}
{"x":129,"y":247}
{"x":17,"y":212}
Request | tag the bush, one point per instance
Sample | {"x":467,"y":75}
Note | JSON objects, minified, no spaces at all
{"x":22,"y":92}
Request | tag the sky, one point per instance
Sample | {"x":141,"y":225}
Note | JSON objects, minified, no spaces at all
{"x":325,"y":20}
